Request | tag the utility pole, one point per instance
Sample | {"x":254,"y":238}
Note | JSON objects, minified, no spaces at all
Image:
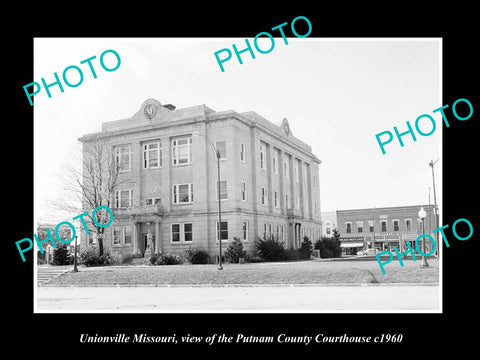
{"x":373,"y":233}
{"x":435,"y":213}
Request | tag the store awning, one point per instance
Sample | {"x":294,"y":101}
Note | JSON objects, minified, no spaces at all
{"x":351,"y":244}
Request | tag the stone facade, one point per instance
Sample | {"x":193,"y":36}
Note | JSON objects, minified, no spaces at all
{"x":168,"y":188}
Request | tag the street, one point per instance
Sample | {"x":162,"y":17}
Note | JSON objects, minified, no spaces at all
{"x":368,"y":298}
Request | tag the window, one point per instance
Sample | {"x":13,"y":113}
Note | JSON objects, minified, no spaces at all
{"x":275,"y":199}
{"x":123,"y":156}
{"x":283,"y":232}
{"x":275,"y":162}
{"x":151,"y":201}
{"x":287,"y":203}
{"x":316,"y":209}
{"x":278,"y":232}
{"x":328,"y":231}
{"x":296,"y":173}
{"x":384,"y":225}
{"x":221,"y":146}
{"x":223,"y":190}
{"x":123,"y":198}
{"x":262,"y":157}
{"x":152,"y":155}
{"x":116,"y":235}
{"x":181,"y":232}
{"x":265,"y":231}
{"x":183,"y":194}
{"x":223,"y":231}
{"x":314,"y":181}
{"x":187,"y":232}
{"x":182,"y":151}
{"x":242,"y":152}
{"x":175,"y":233}
{"x":264,"y":196}
{"x":127,"y":234}
{"x":408,"y":224}
{"x":359,"y":226}
{"x":349,"y":227}
{"x":370,"y":224}
{"x":395,"y":225}
{"x":245,"y":230}
{"x":286,"y":167}
{"x":243,"y":190}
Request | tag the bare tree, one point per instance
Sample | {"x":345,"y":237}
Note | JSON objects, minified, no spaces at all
{"x":90,"y":179}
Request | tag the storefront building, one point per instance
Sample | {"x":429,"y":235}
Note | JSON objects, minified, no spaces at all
{"x":383,"y":228}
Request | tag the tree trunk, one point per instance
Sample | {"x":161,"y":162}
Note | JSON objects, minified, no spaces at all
{"x":100,"y":232}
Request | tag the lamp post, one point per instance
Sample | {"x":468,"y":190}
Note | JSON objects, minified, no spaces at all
{"x":219,"y":230}
{"x":75,"y":256}
{"x":422,"y":215}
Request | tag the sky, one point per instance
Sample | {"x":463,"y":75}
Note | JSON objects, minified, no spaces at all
{"x":337,"y":94}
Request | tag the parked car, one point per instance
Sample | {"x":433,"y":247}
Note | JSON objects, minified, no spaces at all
{"x":366,"y":252}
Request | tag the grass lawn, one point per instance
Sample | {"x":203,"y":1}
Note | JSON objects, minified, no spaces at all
{"x":301,"y":272}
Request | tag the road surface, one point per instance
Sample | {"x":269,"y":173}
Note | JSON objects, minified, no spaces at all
{"x":382,"y":298}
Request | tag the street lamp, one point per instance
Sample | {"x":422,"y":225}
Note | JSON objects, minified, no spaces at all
{"x":75,"y":257}
{"x":422,"y":215}
{"x":217,"y":153}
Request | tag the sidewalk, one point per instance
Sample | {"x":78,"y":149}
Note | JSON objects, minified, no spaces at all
{"x":261,"y":299}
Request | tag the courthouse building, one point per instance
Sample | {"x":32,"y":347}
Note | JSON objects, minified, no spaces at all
{"x":383,"y":228}
{"x":166,"y":199}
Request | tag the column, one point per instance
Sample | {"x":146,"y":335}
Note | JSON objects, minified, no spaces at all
{"x":137,"y":166}
{"x":252,"y":187}
{"x":301,"y":187}
{"x":135,"y":237}
{"x":268,"y":155}
{"x":158,"y":242}
{"x":281,"y":176}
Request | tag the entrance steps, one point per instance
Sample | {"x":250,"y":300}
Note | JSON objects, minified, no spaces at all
{"x":45,"y":273}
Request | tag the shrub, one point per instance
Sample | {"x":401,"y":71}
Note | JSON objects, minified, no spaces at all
{"x":154,"y":259}
{"x":91,"y":257}
{"x":306,"y":249}
{"x":165,"y":259}
{"x":292,"y":254}
{"x":329,"y":247}
{"x":235,"y":251}
{"x":271,"y":250}
{"x":254,"y":259}
{"x":200,"y":257}
{"x":107,"y":258}
{"x":41,"y":258}
{"x":61,"y":256}
{"x":188,"y":253}
{"x":195,"y":255}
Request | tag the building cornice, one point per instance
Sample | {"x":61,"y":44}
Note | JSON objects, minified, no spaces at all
{"x":197,"y":115}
